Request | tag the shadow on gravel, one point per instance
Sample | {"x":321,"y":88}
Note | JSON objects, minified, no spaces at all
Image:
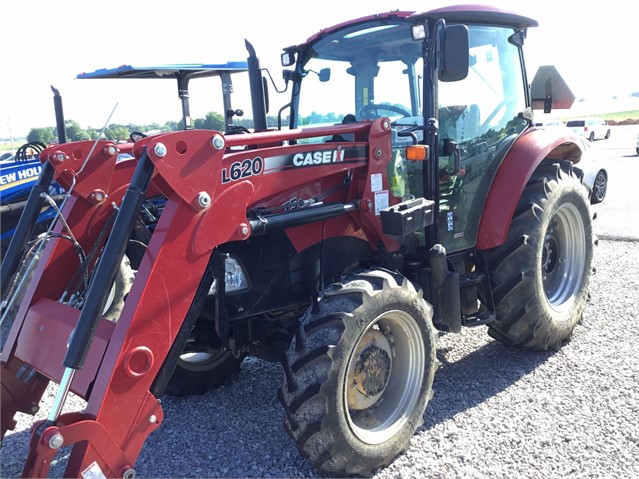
{"x":480,"y":375}
{"x":14,"y":452}
{"x":15,"y":448}
{"x":622,"y":238}
{"x":236,"y":430}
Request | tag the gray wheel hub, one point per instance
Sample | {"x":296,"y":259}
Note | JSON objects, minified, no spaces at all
{"x":372,"y":370}
{"x":562,"y":256}
{"x":384,"y":376}
{"x":369,"y":373}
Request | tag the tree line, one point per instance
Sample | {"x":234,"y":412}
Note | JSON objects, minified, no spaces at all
{"x":118,"y":132}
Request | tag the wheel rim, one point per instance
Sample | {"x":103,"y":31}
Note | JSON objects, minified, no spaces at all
{"x":562,"y":256}
{"x":109,"y":300}
{"x":384,"y":377}
{"x":201,"y":361}
{"x":600,"y":186}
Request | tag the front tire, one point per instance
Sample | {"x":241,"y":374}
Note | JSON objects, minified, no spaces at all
{"x":359,"y":373}
{"x":541,"y":273}
{"x":115,"y":299}
{"x":198,"y":372}
{"x":119,"y":290}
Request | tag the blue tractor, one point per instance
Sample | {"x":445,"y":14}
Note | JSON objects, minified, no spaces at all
{"x":18,"y":174}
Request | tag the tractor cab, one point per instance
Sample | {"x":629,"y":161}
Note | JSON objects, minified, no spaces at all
{"x":449,"y":80}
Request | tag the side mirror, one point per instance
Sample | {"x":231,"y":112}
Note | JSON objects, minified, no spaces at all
{"x":324,"y":74}
{"x":454,"y":53}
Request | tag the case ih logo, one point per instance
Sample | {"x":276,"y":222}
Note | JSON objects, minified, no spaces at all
{"x":354,"y":155}
{"x":318,"y":157}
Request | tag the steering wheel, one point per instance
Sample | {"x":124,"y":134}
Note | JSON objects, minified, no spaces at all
{"x":136,"y":135}
{"x":236,"y":129}
{"x":370,"y":110}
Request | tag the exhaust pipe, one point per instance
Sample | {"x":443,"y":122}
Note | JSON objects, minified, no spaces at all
{"x":258,"y":101}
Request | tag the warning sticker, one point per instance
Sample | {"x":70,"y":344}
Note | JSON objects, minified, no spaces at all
{"x":381,"y":201}
{"x":93,"y":472}
{"x":376,"y":182}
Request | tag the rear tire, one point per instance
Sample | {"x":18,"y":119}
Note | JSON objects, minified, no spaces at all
{"x":359,"y":374}
{"x":541,"y":273}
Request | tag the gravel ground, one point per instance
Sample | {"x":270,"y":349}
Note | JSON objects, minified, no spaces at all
{"x":497,"y":412}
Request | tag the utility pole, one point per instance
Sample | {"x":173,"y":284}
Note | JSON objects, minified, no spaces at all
{"x":10,"y":133}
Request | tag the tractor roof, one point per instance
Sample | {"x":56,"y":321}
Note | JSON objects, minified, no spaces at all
{"x":473,"y":13}
{"x":192,"y":70}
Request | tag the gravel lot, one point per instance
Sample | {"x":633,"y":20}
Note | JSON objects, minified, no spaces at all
{"x":497,"y":412}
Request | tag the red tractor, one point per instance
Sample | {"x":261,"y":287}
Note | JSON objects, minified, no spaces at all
{"x":409,"y":193}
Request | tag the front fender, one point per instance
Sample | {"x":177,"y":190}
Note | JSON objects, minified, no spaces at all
{"x":529,"y":150}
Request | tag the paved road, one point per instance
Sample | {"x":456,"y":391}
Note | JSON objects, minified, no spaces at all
{"x":618,"y":215}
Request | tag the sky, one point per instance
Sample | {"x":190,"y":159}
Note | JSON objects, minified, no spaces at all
{"x":47,"y":43}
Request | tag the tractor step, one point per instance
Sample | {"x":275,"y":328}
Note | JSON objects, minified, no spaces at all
{"x":474,"y":313}
{"x":479,"y":318}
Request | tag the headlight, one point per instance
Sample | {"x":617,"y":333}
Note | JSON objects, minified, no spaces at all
{"x":234,"y":277}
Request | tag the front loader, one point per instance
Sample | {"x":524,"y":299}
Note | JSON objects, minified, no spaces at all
{"x":409,"y":194}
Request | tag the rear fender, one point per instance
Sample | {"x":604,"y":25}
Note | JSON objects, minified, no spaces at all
{"x":530,"y":149}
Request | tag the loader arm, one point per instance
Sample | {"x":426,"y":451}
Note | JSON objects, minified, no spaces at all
{"x":210,"y":182}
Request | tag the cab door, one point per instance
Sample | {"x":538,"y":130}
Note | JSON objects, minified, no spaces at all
{"x":479,"y":119}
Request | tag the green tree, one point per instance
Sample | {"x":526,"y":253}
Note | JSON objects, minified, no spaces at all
{"x":93,"y":133}
{"x":74,"y":131}
{"x":213,"y":121}
{"x":44,"y":135}
{"x":172,"y":126}
{"x":119,"y":133}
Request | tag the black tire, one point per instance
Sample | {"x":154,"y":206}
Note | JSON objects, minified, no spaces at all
{"x":200,"y":367}
{"x":198,"y":372}
{"x":20,"y":281}
{"x":599,"y":188}
{"x":607,"y":134}
{"x":541,"y":273}
{"x":22,"y":277}
{"x":359,"y":374}
{"x":592,"y":136}
{"x":120,"y":289}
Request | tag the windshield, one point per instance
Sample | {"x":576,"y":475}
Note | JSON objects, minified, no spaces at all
{"x":361,"y":72}
{"x":375,"y":69}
